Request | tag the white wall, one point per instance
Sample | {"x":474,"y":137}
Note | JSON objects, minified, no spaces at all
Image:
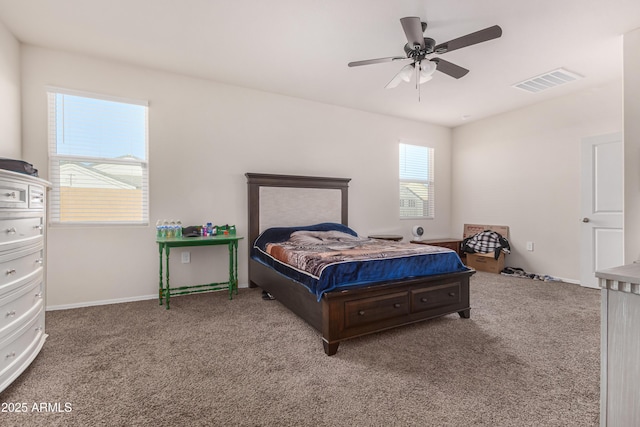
{"x":204,"y":136}
{"x":522,"y":169}
{"x":632,"y":146}
{"x":10,"y":144}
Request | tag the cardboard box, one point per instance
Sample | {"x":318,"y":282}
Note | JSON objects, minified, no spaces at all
{"x":485,"y":262}
{"x":472,"y":229}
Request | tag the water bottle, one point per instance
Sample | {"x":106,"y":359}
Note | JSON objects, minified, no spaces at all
{"x":158,"y":229}
{"x":165,"y":228}
{"x":172,"y":229}
{"x":178,"y":228}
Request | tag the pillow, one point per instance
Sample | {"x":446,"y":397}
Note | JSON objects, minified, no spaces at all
{"x":281,"y":234}
{"x":314,"y":237}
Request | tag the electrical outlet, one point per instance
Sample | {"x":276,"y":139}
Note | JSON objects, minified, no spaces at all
{"x":530,"y":246}
{"x":186,"y":257}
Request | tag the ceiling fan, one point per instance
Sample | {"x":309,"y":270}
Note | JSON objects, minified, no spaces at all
{"x":420,"y":51}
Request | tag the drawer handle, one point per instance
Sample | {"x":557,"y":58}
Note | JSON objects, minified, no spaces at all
{"x":11,"y":313}
{"x":397,"y":305}
{"x":361,"y":313}
{"x":38,"y":227}
{"x":39,"y":329}
{"x":10,"y":272}
{"x":39,"y":261}
{"x":38,"y":295}
{"x":10,"y":355}
{"x":452,"y":294}
{"x":423,"y":299}
{"x":11,"y":230}
{"x":12,"y":194}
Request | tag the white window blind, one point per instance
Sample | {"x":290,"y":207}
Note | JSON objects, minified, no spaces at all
{"x":416,"y":181}
{"x":98,"y":159}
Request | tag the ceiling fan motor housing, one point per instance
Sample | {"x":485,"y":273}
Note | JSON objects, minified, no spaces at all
{"x":419,"y":53}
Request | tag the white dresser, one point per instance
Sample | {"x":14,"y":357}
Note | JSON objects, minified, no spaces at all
{"x":620,"y":350}
{"x":22,"y":267}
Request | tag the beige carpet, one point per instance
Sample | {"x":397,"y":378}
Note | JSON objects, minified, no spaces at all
{"x":529,"y":356}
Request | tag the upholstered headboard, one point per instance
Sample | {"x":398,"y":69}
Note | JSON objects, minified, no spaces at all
{"x":289,"y":200}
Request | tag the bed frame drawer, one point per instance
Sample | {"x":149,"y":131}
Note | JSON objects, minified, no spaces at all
{"x":367,"y":310}
{"x":438,"y":296}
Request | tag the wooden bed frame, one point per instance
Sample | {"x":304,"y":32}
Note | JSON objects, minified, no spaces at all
{"x":344,"y":314}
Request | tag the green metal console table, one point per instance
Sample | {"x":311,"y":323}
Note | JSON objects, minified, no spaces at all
{"x":165,"y":244}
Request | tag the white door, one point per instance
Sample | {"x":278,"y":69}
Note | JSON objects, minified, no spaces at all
{"x":602,"y":244}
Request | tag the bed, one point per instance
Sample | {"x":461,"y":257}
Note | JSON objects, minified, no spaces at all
{"x":283,"y":202}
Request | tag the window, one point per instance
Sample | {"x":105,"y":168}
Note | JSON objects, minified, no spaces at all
{"x":416,"y":181}
{"x":98,"y":151}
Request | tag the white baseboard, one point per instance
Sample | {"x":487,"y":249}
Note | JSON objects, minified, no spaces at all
{"x":112,"y":301}
{"x":577,"y":282}
{"x":102,"y":302}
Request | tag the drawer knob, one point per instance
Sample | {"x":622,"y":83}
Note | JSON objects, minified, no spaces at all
{"x":39,"y":261}
{"x":11,"y":313}
{"x":396,"y":305}
{"x":361,"y":313}
{"x":10,"y":355}
{"x":38,"y":295}
{"x":11,"y":230}
{"x":38,"y":227}
{"x":39,"y":329}
{"x":452,"y":294}
{"x":12,"y":194}
{"x":423,"y":299}
{"x":10,"y":272}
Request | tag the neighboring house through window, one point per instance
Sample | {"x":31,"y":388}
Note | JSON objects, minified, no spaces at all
{"x":416,"y":181}
{"x":98,"y":159}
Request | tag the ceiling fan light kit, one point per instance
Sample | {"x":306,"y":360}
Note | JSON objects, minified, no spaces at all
{"x":421,"y":50}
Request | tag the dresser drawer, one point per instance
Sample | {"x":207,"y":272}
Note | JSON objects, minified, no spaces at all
{"x":438,"y":296}
{"x":17,"y":305}
{"x":366,"y":310}
{"x":36,"y":197}
{"x":17,"y":231}
{"x":18,"y":264}
{"x":20,"y":346}
{"x":13,"y":194}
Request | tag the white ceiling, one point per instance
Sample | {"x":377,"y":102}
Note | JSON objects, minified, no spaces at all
{"x":301,"y":48}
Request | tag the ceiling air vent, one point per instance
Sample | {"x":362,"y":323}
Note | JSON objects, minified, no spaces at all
{"x":547,"y":80}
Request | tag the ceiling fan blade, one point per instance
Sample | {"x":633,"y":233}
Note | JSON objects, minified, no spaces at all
{"x":413,"y":30}
{"x":470,"y":39}
{"x":450,"y":68}
{"x":376,"y":61}
{"x":403,"y":75}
